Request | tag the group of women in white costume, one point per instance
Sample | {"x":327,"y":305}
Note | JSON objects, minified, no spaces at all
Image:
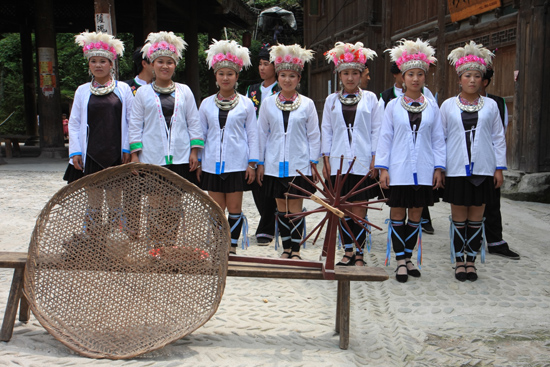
{"x":223,"y":147}
{"x":418,"y":141}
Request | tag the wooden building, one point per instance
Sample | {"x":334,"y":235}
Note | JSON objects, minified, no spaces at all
{"x":45,"y":18}
{"x":516,"y":30}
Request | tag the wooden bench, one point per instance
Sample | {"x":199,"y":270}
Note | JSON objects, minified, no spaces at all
{"x":243,"y":266}
{"x":14,"y":139}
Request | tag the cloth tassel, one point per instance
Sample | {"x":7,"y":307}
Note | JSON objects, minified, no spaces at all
{"x":245,"y":241}
{"x":388,"y":248}
{"x":276,"y":234}
{"x":369,"y":234}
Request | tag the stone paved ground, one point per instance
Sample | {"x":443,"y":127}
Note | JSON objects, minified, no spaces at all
{"x":502,"y":319}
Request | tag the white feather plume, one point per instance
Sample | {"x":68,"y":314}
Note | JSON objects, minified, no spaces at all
{"x":471,"y":48}
{"x":225,"y":47}
{"x":85,"y":38}
{"x":168,"y":37}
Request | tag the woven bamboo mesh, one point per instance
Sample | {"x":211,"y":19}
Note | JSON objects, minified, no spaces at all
{"x":127,"y":260}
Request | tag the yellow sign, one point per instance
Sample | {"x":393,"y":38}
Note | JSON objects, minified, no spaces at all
{"x":462,"y":9}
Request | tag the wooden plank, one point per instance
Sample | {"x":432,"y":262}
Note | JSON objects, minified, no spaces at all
{"x":13,"y":260}
{"x":463,"y":9}
{"x":274,"y":271}
{"x":344,"y":299}
{"x":11,"y":308}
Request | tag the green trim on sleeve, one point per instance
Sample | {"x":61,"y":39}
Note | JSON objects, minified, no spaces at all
{"x":197,"y":142}
{"x":136,"y":146}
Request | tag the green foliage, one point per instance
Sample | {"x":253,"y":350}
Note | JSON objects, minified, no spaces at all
{"x":11,"y":85}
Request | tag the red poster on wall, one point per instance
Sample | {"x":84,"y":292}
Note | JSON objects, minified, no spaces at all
{"x":462,"y":9}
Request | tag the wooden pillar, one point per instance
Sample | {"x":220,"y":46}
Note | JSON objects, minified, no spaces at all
{"x":386,"y":42}
{"x":531,"y":92}
{"x":49,"y":97}
{"x":105,"y":17}
{"x":29,"y":89}
{"x":149,"y":18}
{"x":192,"y":52}
{"x":441,"y":53}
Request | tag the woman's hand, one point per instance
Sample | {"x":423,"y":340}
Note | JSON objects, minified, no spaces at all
{"x":193,"y":160}
{"x":77,"y":162}
{"x":135,"y":158}
{"x":384,"y":179}
{"x":437,"y":180}
{"x":126,"y":158}
{"x":326,"y":168}
{"x":250,"y":175}
{"x":499,"y":178}
{"x":199,"y":173}
{"x":373,"y":173}
{"x":260,"y":174}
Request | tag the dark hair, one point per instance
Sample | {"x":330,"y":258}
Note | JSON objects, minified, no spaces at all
{"x":137,"y":57}
{"x":395,"y":69}
{"x":488,"y":75}
{"x":264,"y":52}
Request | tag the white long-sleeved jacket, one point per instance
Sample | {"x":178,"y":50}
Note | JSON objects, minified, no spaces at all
{"x":409,"y":162}
{"x":229,"y":149}
{"x":149,"y":134}
{"x":364,"y":133}
{"x":488,"y":148}
{"x":78,"y":122}
{"x":284,"y":153}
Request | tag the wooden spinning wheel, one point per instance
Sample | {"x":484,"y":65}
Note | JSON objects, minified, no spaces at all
{"x":335,"y":206}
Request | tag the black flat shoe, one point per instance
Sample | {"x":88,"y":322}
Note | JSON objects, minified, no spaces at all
{"x":350,"y":262}
{"x":294,"y":256}
{"x":461,"y":276}
{"x":286,"y":254}
{"x":401,"y":278}
{"x":413,"y":272}
{"x":471,"y":276}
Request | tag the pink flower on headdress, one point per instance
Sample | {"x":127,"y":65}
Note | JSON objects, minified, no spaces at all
{"x":105,"y":46}
{"x":296,"y":60}
{"x":335,"y":59}
{"x":172,"y":48}
{"x":97,"y":45}
{"x":113,"y":51}
{"x":278,"y":59}
{"x":362,"y":58}
{"x":163,"y":45}
{"x":218,"y":57}
{"x":230,"y":57}
{"x":288,"y":58}
{"x":348,"y":57}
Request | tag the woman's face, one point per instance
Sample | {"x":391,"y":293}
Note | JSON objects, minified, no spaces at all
{"x":100,"y":67}
{"x":351,"y":78}
{"x":226,"y":79}
{"x":164,"y":68}
{"x":414,"y":80}
{"x":471,"y":81}
{"x":288,"y":80}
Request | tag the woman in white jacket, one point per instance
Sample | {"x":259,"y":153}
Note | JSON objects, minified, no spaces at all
{"x":410,"y":154}
{"x":289,"y":141}
{"x":98,"y":126}
{"x":476,"y":156}
{"x":164,"y":126}
{"x":351,"y":120}
{"x":228,"y":121}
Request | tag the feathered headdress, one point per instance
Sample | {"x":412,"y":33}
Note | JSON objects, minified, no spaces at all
{"x":349,"y":56}
{"x":100,"y":44}
{"x":227,"y":54}
{"x":412,"y":55}
{"x":471,"y":57}
{"x":291,"y":57}
{"x":163,"y":44}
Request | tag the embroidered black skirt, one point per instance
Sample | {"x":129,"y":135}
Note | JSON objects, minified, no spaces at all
{"x":410,"y":196}
{"x":226,"y":182}
{"x":469,"y":191}
{"x":276,"y":187}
